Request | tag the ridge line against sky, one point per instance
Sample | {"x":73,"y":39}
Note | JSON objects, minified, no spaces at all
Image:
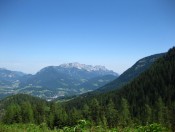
{"x":114,"y":34}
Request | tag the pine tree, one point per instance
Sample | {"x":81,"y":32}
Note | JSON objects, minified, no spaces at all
{"x":13,"y":114}
{"x":26,"y":112}
{"x":50,"y":120}
{"x":160,"y":109}
{"x":86,"y":111}
{"x":39,"y":113}
{"x":75,"y":115}
{"x":104,"y":121}
{"x":124,"y":115}
{"x":111,"y":114}
{"x":167,"y":117}
{"x":148,"y":114}
{"x":95,"y":111}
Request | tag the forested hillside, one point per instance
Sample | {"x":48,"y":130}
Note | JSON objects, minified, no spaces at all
{"x":147,"y":101}
{"x":130,"y":74}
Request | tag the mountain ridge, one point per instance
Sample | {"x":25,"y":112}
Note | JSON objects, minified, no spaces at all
{"x":139,"y":67}
{"x":63,"y":80}
{"x":126,"y":77}
{"x":88,"y":68}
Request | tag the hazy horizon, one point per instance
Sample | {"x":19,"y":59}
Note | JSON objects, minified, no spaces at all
{"x":114,"y":34}
{"x":37,"y":70}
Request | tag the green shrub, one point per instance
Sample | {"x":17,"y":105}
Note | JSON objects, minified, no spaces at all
{"x":152,"y":128}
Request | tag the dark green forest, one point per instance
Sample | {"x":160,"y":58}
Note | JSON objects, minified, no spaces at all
{"x":149,"y":100}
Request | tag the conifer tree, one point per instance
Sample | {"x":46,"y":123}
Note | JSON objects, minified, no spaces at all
{"x":124,"y":114}
{"x":95,"y":111}
{"x":111,"y":114}
{"x":148,"y":114}
{"x":27,"y":112}
{"x":160,"y":110}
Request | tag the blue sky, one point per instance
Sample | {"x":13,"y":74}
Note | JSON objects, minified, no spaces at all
{"x":113,"y":33}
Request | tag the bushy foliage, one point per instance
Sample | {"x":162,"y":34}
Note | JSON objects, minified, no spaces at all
{"x":82,"y":126}
{"x":152,"y":128}
{"x":24,"y":128}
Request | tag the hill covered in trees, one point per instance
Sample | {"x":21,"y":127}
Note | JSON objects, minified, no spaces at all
{"x":130,"y":74}
{"x":147,"y":100}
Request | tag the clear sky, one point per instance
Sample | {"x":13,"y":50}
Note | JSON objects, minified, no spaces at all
{"x":113,"y":33}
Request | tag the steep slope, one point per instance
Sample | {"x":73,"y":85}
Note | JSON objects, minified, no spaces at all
{"x":148,"y":98}
{"x":133,"y":72}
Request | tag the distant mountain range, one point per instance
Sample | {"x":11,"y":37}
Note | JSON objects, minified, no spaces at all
{"x":70,"y":79}
{"x":55,"y":81}
{"x":125,"y":78}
